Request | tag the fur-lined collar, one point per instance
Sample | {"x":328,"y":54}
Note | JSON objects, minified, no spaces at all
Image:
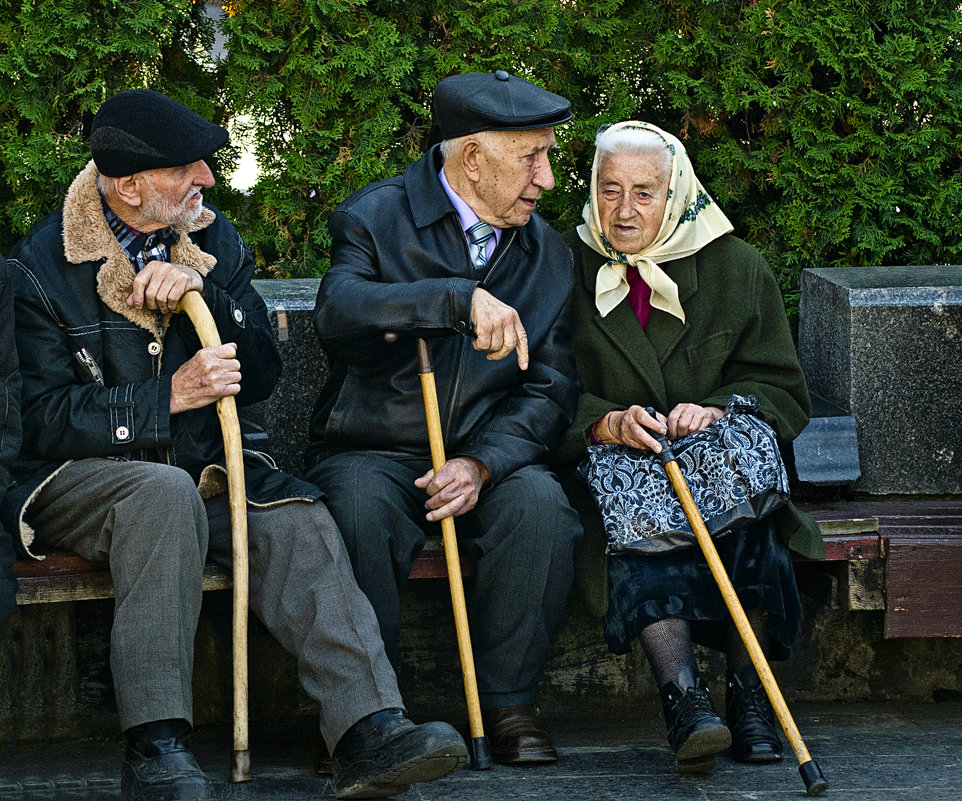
{"x":87,"y":237}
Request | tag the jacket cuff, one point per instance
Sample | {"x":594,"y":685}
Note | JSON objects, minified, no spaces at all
{"x":462,"y":296}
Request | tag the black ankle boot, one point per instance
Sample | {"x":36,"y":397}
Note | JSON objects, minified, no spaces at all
{"x":695,"y":732}
{"x":158,"y":765}
{"x":385,"y":753}
{"x":751,"y":719}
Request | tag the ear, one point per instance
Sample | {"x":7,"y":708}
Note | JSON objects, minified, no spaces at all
{"x":470,"y":158}
{"x":130,"y":189}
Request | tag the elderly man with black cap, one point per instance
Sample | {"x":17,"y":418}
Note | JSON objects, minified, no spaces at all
{"x":452,"y":250}
{"x":123,"y":458}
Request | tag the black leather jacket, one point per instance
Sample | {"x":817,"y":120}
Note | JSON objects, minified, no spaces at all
{"x":400,"y":263}
{"x":97,"y":374}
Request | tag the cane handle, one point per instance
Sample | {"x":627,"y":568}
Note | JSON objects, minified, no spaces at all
{"x":665,"y":454}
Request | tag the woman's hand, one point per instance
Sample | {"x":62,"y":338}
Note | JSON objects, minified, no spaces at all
{"x":630,"y":428}
{"x":687,"y":418}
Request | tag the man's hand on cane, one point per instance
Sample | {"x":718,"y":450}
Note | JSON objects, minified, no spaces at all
{"x":455,"y":488}
{"x":210,"y":374}
{"x":161,"y":285}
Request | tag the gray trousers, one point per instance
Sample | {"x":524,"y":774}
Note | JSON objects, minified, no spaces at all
{"x":150,"y":524}
{"x":520,"y":535}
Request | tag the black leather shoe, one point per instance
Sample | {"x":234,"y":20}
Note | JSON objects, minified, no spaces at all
{"x":695,"y":732}
{"x":752,"y":720}
{"x":517,"y":736}
{"x":158,"y":765}
{"x":385,"y":753}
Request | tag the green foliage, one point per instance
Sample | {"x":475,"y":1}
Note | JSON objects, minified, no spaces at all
{"x":338,"y":93}
{"x":829,"y":132}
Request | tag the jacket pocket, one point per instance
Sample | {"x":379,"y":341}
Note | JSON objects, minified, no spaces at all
{"x":714,"y":348}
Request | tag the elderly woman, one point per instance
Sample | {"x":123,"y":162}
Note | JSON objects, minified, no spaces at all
{"x":671,"y":311}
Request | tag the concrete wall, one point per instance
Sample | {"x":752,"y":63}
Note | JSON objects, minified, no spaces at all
{"x":55,"y":678}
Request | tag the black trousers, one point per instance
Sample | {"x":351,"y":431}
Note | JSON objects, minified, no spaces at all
{"x":520,"y":536}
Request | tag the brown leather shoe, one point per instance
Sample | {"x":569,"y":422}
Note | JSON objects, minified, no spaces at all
{"x":517,"y":736}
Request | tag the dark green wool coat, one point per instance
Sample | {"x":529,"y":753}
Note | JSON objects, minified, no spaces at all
{"x":735,"y":340}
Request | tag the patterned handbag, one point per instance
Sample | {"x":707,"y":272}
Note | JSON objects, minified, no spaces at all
{"x":733,"y":468}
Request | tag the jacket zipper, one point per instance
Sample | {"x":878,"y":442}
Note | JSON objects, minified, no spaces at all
{"x":459,"y":361}
{"x":86,"y":360}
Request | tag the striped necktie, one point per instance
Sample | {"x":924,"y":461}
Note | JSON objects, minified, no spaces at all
{"x":478,"y":235}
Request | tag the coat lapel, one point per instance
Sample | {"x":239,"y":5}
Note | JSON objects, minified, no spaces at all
{"x":625,"y":334}
{"x":664,"y":330}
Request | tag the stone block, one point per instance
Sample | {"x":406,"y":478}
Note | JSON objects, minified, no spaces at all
{"x":885,"y":344}
{"x":826,"y":452}
{"x":286,"y":414}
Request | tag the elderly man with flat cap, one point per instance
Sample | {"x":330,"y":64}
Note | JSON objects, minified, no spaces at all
{"x":123,"y":460}
{"x":453,"y":251}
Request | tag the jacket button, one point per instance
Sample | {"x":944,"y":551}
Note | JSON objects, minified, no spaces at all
{"x":153,"y":348}
{"x":239,"y":315}
{"x":122,"y":432}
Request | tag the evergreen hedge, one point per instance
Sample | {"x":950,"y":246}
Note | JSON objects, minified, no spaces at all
{"x":829,"y":132}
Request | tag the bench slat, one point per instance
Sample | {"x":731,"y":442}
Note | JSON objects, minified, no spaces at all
{"x":64,"y":576}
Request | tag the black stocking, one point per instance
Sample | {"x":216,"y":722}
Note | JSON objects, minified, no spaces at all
{"x":667,"y":644}
{"x":736,"y":655}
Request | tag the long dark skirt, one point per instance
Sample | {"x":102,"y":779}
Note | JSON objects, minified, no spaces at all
{"x":646,"y":589}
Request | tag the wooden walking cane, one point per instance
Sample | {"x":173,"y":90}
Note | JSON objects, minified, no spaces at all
{"x":815,"y":782}
{"x":240,"y":764}
{"x":479,"y":747}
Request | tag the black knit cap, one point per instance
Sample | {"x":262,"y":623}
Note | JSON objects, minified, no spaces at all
{"x":144,"y":130}
{"x":480,"y":101}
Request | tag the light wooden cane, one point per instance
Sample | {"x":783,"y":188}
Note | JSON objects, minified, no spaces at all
{"x":815,"y":782}
{"x":479,"y":747}
{"x":240,"y":765}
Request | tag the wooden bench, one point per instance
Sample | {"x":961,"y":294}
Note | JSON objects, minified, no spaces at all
{"x":910,"y":566}
{"x":64,"y":576}
{"x":900,"y":557}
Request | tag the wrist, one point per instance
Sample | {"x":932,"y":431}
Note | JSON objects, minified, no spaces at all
{"x":603,"y":430}
{"x":480,"y":469}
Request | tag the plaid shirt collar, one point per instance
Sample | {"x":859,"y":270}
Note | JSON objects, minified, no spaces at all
{"x":140,"y":248}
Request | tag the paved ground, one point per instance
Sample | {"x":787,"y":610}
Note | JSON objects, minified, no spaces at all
{"x":885,"y":751}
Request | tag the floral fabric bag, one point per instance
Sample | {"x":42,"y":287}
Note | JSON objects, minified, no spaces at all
{"x":733,"y":468}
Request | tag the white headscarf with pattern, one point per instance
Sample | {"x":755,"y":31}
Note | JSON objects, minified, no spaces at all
{"x":691,"y":221}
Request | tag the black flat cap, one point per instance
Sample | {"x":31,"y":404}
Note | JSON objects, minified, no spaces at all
{"x":144,"y":130}
{"x":480,"y":101}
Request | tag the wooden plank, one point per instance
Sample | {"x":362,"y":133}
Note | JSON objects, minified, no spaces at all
{"x":846,"y":536}
{"x":863,"y":585}
{"x":64,"y":576}
{"x":432,"y":563}
{"x":855,"y":546}
{"x":848,"y":526}
{"x":924,"y":593}
{"x":89,"y":582}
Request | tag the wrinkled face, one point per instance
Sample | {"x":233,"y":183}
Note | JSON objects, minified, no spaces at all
{"x":173,"y":195}
{"x":513,"y":171}
{"x":632,"y":195}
